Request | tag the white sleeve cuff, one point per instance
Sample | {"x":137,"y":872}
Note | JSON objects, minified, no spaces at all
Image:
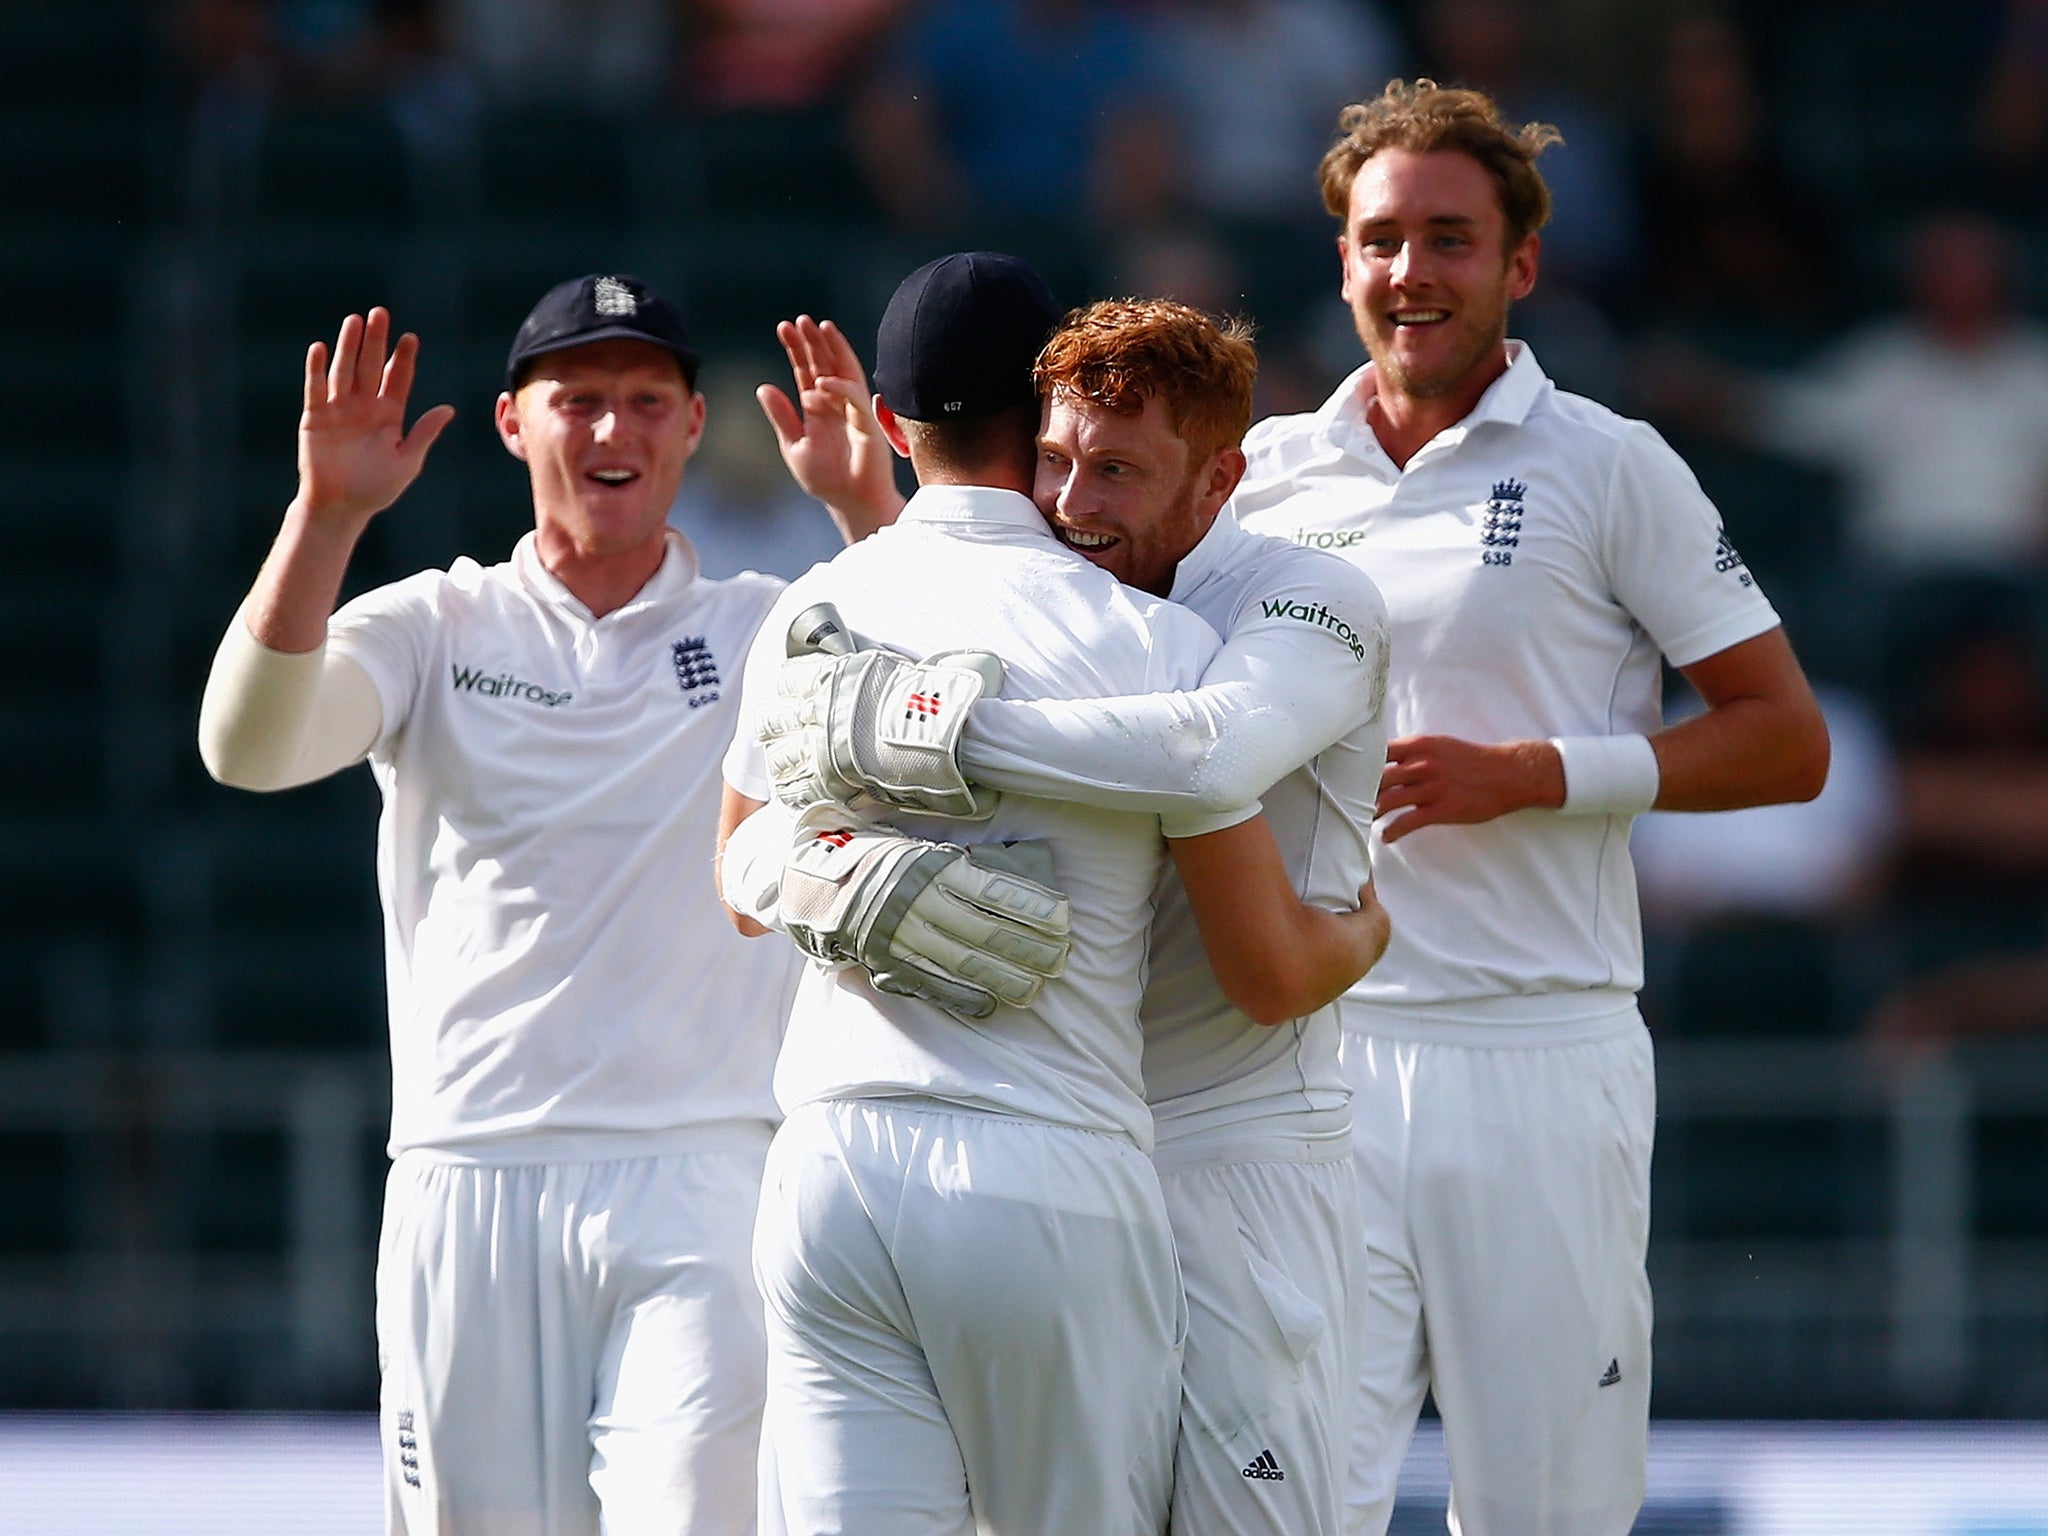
{"x":1174,"y":824}
{"x":1607,"y":775}
{"x":750,"y":869}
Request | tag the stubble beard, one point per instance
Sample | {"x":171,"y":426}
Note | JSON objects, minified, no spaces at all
{"x":1439,"y":382}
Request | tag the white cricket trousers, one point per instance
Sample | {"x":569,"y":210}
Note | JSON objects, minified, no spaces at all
{"x":1506,"y":1193}
{"x":1273,"y":1257}
{"x":571,"y":1347}
{"x":974,"y":1326}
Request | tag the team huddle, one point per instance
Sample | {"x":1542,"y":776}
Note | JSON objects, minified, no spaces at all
{"x":1076,"y":1014}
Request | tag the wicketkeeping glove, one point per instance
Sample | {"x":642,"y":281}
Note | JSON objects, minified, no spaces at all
{"x":873,"y":728}
{"x":964,"y":929}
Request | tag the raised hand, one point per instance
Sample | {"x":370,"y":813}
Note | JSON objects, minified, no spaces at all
{"x":355,"y":456}
{"x":829,"y":437}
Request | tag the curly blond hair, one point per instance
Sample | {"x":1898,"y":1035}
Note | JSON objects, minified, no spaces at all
{"x":1119,"y":353}
{"x":1421,"y":115}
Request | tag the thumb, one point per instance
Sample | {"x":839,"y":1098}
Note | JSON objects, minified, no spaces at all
{"x":781,"y":414}
{"x":424,"y":431}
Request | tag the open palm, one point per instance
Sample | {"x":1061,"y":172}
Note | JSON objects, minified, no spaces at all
{"x":355,"y":455}
{"x":829,"y":438}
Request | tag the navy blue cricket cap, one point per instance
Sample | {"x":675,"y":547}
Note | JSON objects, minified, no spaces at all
{"x":960,"y":336}
{"x":599,"y":307}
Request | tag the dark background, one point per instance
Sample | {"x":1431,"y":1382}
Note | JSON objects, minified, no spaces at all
{"x":1852,"y":1169}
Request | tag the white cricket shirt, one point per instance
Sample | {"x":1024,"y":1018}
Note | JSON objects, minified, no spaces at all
{"x":1535,"y":559}
{"x":557,"y":960}
{"x":1290,"y":709}
{"x":974,"y":567}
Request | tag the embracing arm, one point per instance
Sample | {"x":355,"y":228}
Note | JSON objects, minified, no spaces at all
{"x":278,"y":711}
{"x":1275,"y":956}
{"x":748,"y":864}
{"x":1307,"y":668}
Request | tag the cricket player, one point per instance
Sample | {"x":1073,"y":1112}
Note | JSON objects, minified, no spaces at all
{"x":567,"y":1322}
{"x":1538,"y":553}
{"x":975,"y":1321}
{"x":1252,"y":1123}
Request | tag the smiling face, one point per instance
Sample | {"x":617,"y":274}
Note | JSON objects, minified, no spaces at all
{"x":1118,"y":488}
{"x":604,"y":430}
{"x":1428,"y":274}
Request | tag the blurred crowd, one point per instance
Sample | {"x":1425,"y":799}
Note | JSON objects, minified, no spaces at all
{"x":1803,"y":238}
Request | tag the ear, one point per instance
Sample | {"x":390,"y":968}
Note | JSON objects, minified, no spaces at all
{"x":1344,"y":267}
{"x":694,"y":411}
{"x":1522,"y":267}
{"x":1219,"y":478}
{"x":506,"y":418}
{"x":892,"y":429}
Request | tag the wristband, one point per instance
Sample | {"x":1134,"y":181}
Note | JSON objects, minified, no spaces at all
{"x":1607,"y":775}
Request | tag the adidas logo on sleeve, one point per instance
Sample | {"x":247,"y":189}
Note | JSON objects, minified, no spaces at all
{"x":1265,"y":1468}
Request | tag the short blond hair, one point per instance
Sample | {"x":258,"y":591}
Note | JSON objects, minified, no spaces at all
{"x":1119,"y":353}
{"x":1421,"y":115}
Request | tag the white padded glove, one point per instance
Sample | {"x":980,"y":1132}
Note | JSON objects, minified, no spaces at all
{"x":964,"y":929}
{"x":873,"y":728}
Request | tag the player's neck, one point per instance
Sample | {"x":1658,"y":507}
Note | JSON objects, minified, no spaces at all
{"x":1404,"y":423}
{"x":994,"y":477}
{"x":603,"y":582}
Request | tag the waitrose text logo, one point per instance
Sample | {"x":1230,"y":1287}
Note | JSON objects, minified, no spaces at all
{"x":1318,"y":615}
{"x":504,"y":685}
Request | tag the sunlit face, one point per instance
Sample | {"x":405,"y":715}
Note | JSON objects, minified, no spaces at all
{"x":1425,"y":270}
{"x":605,"y":430}
{"x":1121,"y":490}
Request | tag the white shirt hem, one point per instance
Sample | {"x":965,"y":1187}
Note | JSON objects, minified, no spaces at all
{"x":1541,"y":1019}
{"x":595,"y":1146}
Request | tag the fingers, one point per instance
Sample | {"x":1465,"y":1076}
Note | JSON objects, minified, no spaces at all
{"x":1392,"y":797}
{"x":812,"y":350}
{"x":848,"y":394}
{"x":838,"y":359}
{"x":1409,"y":821}
{"x":396,"y":381}
{"x":781,"y":414}
{"x":348,"y":346}
{"x":357,"y":364}
{"x":1401,"y":775}
{"x":316,"y":375}
{"x":370,"y":361}
{"x":818,"y":350}
{"x":918,"y":941}
{"x":799,"y":342}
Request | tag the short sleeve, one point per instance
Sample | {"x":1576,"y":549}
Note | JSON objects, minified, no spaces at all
{"x":388,"y":632}
{"x":1669,"y":557}
{"x":745,"y":765}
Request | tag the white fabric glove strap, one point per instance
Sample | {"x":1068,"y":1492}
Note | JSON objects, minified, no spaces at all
{"x":1607,"y":775}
